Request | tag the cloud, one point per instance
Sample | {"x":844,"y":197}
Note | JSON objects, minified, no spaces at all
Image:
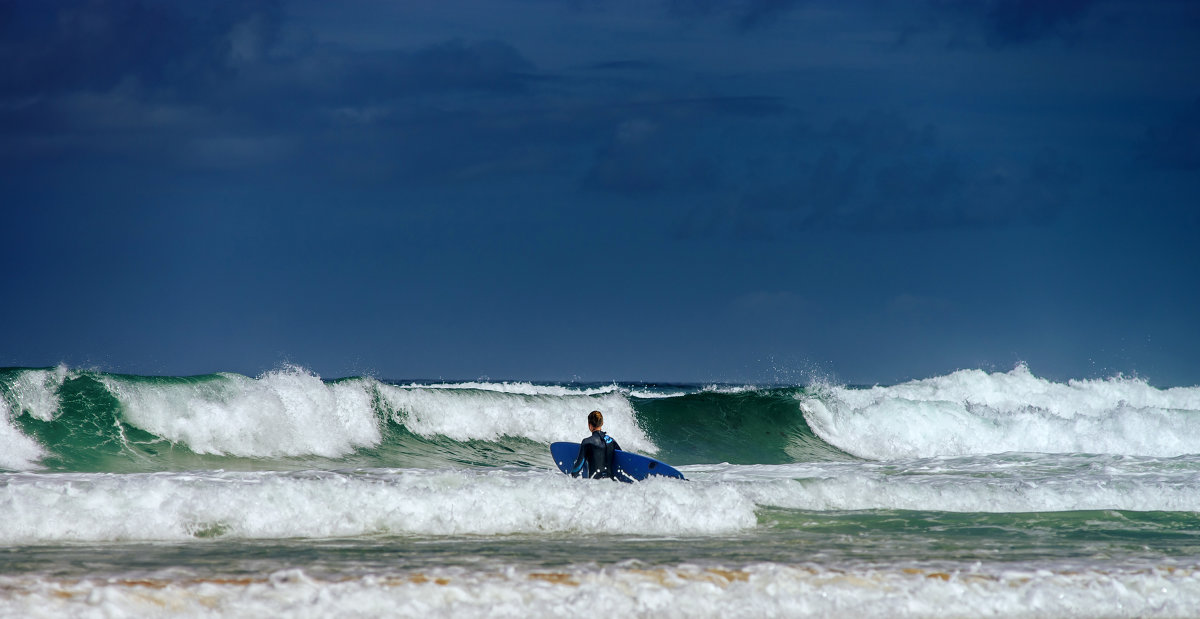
{"x":1021,"y":21}
{"x":237,"y":152}
{"x":204,"y":84}
{"x":760,"y":12}
{"x":744,"y":15}
{"x":746,"y":106}
{"x":881,"y":171}
{"x":239,"y":85}
{"x":642,"y":157}
{"x":325,"y":78}
{"x":657,"y":145}
{"x":999,"y":23}
{"x":621,"y":65}
{"x":217,"y":51}
{"x":457,"y":65}
{"x":72,"y":46}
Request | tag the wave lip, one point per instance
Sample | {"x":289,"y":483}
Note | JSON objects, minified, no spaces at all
{"x":519,"y":388}
{"x":486,"y":414}
{"x":971,"y":412}
{"x":283,"y":413}
{"x":31,"y":392}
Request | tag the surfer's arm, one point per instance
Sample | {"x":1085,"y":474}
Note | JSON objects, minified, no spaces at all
{"x":578,"y":466}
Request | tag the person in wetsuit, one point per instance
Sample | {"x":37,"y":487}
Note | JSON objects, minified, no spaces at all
{"x":596,"y":452}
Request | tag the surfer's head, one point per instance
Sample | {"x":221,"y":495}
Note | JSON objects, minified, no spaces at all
{"x":595,"y":420}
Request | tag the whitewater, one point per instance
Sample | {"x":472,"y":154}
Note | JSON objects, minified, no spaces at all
{"x":972,"y":493}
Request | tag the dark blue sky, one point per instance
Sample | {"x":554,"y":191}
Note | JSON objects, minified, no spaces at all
{"x":689,"y":190}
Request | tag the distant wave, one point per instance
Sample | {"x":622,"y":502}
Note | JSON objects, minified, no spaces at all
{"x":974,"y":412}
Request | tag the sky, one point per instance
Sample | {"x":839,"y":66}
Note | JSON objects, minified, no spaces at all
{"x":591,"y":190}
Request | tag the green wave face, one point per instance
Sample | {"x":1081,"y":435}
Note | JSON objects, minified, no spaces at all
{"x":72,"y":420}
{"x":88,"y":432}
{"x":290,"y":419}
{"x":743,"y":427}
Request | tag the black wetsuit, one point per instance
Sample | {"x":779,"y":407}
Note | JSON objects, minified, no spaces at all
{"x":595,"y":459}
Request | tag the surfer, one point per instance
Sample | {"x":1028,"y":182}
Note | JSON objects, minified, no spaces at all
{"x":595,"y":459}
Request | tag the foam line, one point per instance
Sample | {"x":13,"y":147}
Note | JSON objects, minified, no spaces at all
{"x":720,"y":499}
{"x":178,"y":506}
{"x":758,"y":590}
{"x":1016,"y":484}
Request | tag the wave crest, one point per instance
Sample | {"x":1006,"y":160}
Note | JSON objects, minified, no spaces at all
{"x":971,"y":412}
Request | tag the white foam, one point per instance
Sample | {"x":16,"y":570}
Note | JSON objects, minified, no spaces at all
{"x":973,"y":412}
{"x":282,"y":413}
{"x":176,"y":506}
{"x":647,"y":394}
{"x":1043,"y":484}
{"x":33,"y":393}
{"x":759,"y":590}
{"x":489,"y":415}
{"x":522,"y":388}
{"x":292,"y":412}
{"x":730,"y":389}
{"x":718,"y":499}
{"x":17,"y":451}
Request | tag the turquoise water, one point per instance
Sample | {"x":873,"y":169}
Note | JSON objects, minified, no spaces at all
{"x":966,"y":494}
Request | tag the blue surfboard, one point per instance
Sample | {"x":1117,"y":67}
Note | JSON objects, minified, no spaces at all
{"x":630,"y":466}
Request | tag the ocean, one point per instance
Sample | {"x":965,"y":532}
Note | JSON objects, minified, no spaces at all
{"x":970,"y":494}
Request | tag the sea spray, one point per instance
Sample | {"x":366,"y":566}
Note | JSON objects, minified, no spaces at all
{"x":18,"y":452}
{"x":31,"y":392}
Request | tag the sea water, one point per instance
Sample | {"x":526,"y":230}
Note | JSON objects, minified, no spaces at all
{"x":970,"y":494}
